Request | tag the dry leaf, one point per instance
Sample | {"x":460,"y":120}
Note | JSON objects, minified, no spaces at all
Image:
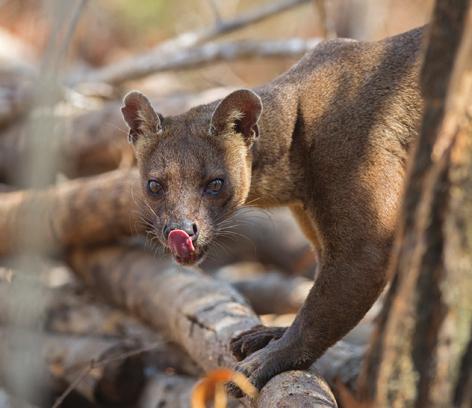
{"x":212,"y":388}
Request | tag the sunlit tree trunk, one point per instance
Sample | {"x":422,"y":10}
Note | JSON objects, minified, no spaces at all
{"x":421,"y":353}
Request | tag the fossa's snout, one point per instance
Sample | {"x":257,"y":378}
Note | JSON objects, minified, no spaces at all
{"x":189,"y":227}
{"x":180,"y":238}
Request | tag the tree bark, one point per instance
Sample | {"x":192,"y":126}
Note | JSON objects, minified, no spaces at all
{"x":196,"y":311}
{"x":420,"y":354}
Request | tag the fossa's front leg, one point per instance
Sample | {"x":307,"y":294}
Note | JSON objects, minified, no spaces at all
{"x":349,"y":281}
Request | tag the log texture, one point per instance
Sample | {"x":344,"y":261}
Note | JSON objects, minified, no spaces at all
{"x":80,"y":212}
{"x":196,"y":311}
{"x":94,"y":367}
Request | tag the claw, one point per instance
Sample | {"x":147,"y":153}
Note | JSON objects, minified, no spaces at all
{"x":254,"y":339}
{"x":277,"y":356}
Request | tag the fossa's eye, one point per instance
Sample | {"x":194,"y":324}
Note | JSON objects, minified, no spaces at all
{"x":154,"y":188}
{"x":214,"y":187}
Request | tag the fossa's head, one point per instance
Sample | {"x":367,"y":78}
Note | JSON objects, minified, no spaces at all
{"x":195,"y":168}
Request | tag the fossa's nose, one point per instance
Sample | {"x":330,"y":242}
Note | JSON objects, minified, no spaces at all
{"x":188,"y":226}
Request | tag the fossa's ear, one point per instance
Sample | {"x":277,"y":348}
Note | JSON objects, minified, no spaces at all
{"x":142,"y":119}
{"x":238,"y":113}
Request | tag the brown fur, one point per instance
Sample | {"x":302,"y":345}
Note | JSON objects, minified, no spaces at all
{"x":332,"y":144}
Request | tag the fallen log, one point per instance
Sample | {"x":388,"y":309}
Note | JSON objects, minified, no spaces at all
{"x":170,"y":391}
{"x":78,"y":315}
{"x":289,"y":293}
{"x":102,"y":370}
{"x":72,"y":314}
{"x":80,"y":212}
{"x":7,"y":401}
{"x":341,"y":363}
{"x":296,"y":389}
{"x":272,"y":238}
{"x":104,"y":208}
{"x":198,"y":312}
{"x":92,"y":142}
{"x":5,"y":188}
{"x":106,"y":372}
{"x":263,"y":288}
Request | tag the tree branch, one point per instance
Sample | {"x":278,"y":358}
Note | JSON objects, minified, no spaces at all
{"x":189,"y":39}
{"x":225,"y":27}
{"x":190,"y":58}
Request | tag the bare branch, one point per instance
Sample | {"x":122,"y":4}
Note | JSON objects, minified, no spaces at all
{"x":179,"y":59}
{"x":225,"y":27}
{"x":186,"y":40}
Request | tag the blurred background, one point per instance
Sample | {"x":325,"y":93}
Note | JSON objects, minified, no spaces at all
{"x":64,"y":67}
{"x":110,"y":30}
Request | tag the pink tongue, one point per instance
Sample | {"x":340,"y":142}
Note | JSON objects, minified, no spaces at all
{"x":180,"y":243}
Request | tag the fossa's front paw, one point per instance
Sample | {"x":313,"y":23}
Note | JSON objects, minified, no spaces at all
{"x":254,"y":339}
{"x":276,"y":357}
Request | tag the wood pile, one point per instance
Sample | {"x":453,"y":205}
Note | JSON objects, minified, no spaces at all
{"x":120,"y":324}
